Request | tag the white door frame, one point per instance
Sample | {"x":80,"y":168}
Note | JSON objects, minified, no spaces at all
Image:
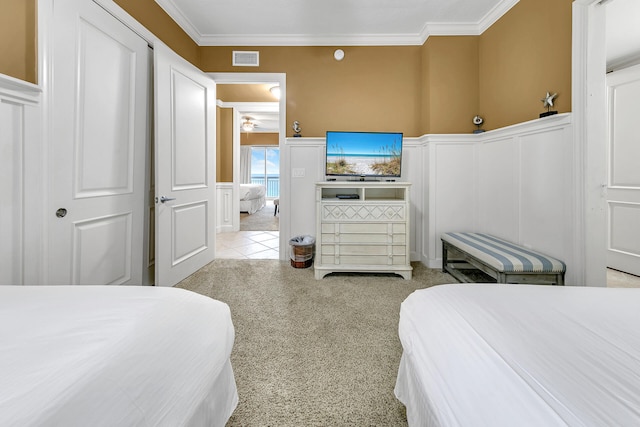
{"x":281,"y":80}
{"x":589,"y":141}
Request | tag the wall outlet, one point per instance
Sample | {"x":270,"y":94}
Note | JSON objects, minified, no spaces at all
{"x":297,"y":172}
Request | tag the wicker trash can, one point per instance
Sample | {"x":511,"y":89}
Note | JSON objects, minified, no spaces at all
{"x":302,"y":251}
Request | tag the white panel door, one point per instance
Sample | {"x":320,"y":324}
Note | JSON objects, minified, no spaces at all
{"x":623,"y":192}
{"x":99,"y":115}
{"x":185,"y":167}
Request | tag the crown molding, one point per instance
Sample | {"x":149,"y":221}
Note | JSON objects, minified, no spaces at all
{"x":452,"y":29}
{"x":183,"y":22}
{"x":309,"y":40}
{"x":496,"y":13}
{"x":429,"y":29}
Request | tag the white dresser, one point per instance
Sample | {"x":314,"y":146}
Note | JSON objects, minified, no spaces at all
{"x":367,"y":234}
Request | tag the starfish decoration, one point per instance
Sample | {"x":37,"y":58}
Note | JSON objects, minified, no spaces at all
{"x":548,"y":100}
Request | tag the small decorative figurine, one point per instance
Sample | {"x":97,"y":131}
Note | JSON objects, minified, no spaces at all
{"x":477,"y":120}
{"x":296,"y":129}
{"x":547,"y":102}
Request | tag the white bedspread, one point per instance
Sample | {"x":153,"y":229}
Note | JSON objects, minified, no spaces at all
{"x":252,"y":191}
{"x":114,"y":356}
{"x":525,"y":355}
{"x":252,"y":198}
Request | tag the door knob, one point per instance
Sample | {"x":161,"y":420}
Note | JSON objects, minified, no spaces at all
{"x":61,"y":213}
{"x":164,"y":199}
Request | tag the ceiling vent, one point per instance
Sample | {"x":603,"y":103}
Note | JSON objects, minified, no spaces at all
{"x":246,"y":58}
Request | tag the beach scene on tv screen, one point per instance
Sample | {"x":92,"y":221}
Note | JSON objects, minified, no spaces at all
{"x":364,"y":154}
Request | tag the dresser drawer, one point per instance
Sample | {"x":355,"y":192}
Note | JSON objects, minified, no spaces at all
{"x":363,"y":212}
{"x":364,"y":233}
{"x":364,"y":260}
{"x":344,"y":249}
{"x":365,"y":239}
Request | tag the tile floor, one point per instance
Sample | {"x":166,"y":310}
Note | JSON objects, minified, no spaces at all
{"x":248,"y":245}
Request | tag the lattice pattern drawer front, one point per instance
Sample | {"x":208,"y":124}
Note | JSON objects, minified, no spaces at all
{"x":363,"y":212}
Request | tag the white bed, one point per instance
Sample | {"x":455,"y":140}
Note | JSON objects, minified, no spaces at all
{"x":252,"y":198}
{"x":114,"y":356}
{"x":526,"y":355}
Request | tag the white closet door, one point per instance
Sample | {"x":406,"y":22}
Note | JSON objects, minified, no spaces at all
{"x":623,"y":193}
{"x":99,"y":115}
{"x":185,"y":167}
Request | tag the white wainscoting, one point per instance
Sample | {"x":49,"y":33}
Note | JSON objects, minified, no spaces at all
{"x":21,"y":182}
{"x":226,"y":220}
{"x":515,"y":183}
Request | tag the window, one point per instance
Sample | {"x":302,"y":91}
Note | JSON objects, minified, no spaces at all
{"x":265,"y":169}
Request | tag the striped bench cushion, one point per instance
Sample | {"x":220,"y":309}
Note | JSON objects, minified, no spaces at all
{"x":503,"y":256}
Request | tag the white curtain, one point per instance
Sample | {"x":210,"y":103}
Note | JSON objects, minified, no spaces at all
{"x":245,"y":165}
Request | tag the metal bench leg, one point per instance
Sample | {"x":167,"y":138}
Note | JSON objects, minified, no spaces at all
{"x":444,"y":257}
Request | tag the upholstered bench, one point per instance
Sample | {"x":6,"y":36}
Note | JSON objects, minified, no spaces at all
{"x":504,"y":261}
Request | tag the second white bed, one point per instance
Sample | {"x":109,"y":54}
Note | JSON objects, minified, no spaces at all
{"x":520,"y":355}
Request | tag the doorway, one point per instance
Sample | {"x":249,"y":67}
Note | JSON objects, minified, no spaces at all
{"x":622,"y":48}
{"x":264,"y":176}
{"x":258,"y":133}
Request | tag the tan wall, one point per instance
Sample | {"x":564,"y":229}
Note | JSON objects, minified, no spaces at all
{"x":156,"y":20}
{"x":224,"y":144}
{"x":259,"y":138}
{"x":18,"y":37}
{"x":245,"y":92}
{"x":451,"y":81}
{"x":522,"y":56}
{"x":373,"y":88}
{"x":412,"y":89}
{"x":425,"y":99}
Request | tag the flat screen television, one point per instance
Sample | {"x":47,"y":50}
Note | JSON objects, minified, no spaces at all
{"x":363,"y":154}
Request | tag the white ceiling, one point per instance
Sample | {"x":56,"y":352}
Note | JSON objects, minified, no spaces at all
{"x":367,"y":22}
{"x":330,"y":22}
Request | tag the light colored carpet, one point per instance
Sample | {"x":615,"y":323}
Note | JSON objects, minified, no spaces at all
{"x":312,"y":353}
{"x":263,"y":220}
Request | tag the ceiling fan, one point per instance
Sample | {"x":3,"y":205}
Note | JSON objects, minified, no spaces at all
{"x":248,"y":124}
